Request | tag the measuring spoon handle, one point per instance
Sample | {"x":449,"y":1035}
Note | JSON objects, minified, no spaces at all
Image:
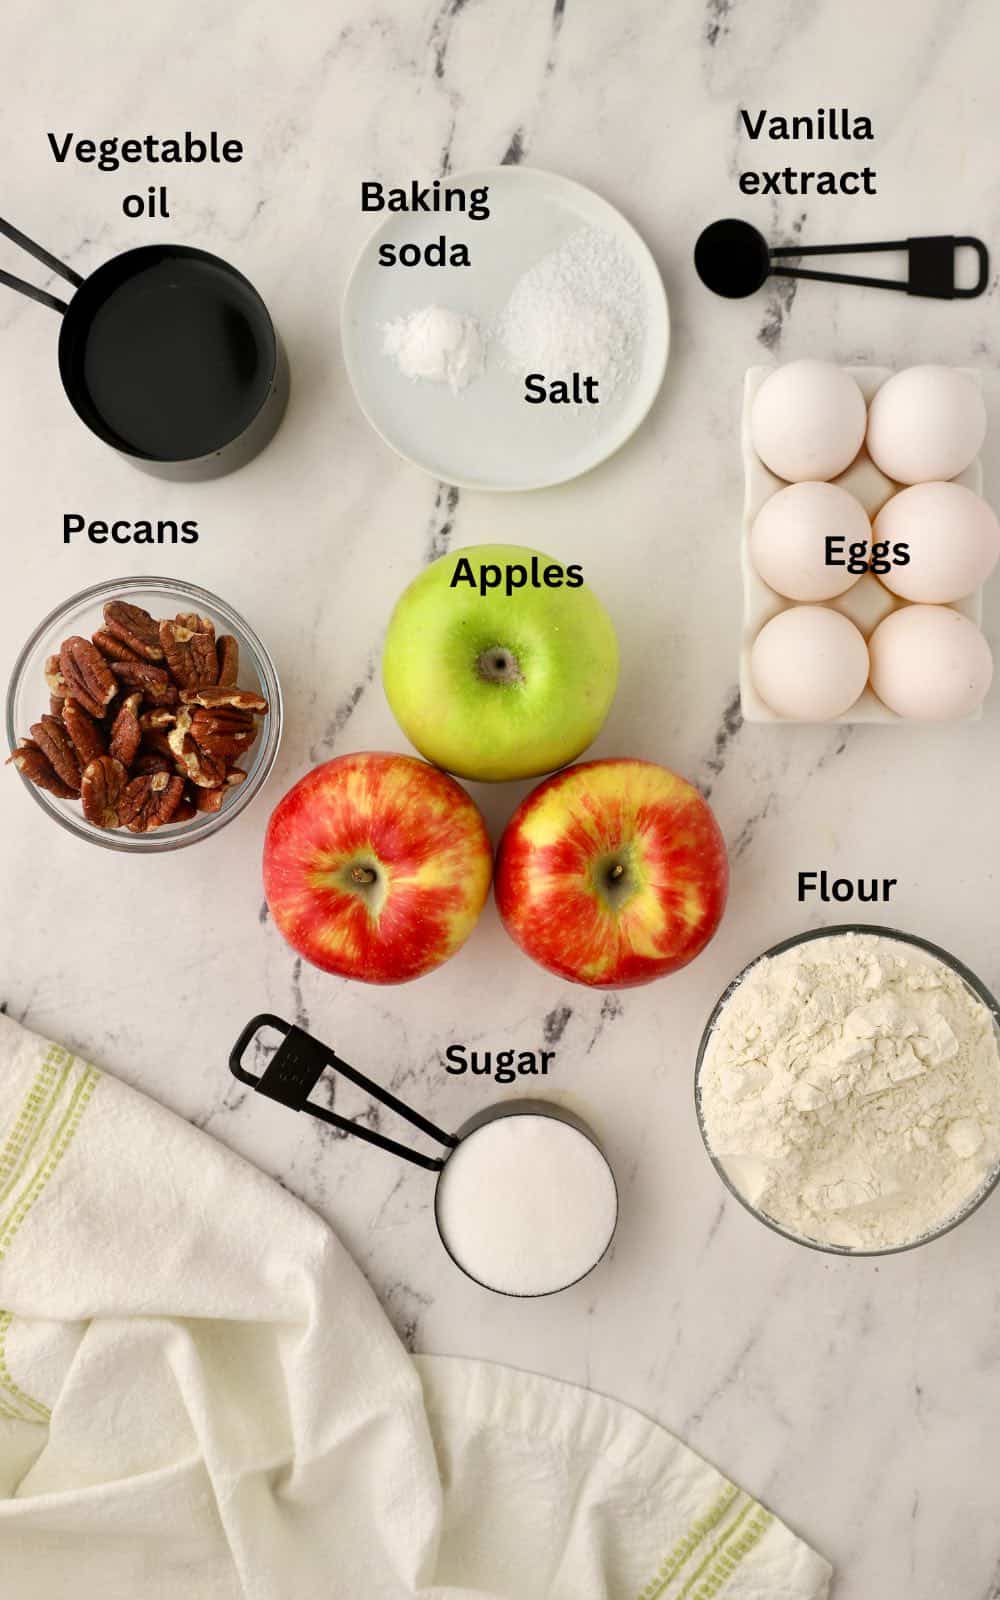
{"x":39,"y":252}
{"x":930,"y":265}
{"x":294,"y":1071}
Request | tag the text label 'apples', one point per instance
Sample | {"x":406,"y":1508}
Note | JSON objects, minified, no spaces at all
{"x":495,"y":682}
{"x":612,"y":873}
{"x":376,"y":867}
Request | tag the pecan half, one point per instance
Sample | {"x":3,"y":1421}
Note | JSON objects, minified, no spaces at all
{"x":113,"y":648}
{"x":150,"y":801}
{"x":191,"y":619}
{"x":153,"y":681}
{"x":155,"y":743}
{"x":226,"y":732}
{"x":87,"y":675}
{"x":125,"y":730}
{"x":227,"y":653}
{"x":148,"y":761}
{"x":213,"y":799}
{"x":52,"y":739}
{"x":103,"y":785}
{"x":135,"y":628}
{"x":54,"y":679}
{"x":87,"y":735}
{"x":190,"y":650}
{"x":35,"y":765}
{"x":161,"y":717}
{"x":211,"y":696}
{"x":203,"y":768}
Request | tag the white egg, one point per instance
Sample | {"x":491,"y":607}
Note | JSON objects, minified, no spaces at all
{"x":953,"y":540}
{"x":866,"y":483}
{"x":930,"y":663}
{"x":809,"y":663}
{"x":926,"y":423}
{"x":788,"y":541}
{"x":807,"y":421}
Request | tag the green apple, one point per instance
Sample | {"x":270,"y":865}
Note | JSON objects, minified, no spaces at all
{"x":500,"y":663}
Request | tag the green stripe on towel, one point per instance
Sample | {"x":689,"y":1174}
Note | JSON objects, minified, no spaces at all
{"x":673,"y":1564}
{"x":739,"y":1523}
{"x":716,"y":1551}
{"x":31,"y":1154}
{"x":45,"y":1090}
{"x":87,"y":1078}
{"x":37,"y":1412}
{"x":733,"y":1555}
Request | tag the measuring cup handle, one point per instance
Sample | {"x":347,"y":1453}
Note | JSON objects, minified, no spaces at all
{"x":47,"y":259}
{"x":294,"y":1071}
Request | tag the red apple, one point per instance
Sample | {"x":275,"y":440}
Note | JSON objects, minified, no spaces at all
{"x":612,"y":873}
{"x":376,"y":867}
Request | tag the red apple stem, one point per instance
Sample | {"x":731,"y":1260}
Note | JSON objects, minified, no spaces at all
{"x":363,"y":875}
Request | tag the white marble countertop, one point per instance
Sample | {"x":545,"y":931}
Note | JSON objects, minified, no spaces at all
{"x":860,"y":1399}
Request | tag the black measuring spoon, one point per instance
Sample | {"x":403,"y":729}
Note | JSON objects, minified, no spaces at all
{"x":168,"y":354}
{"x":298,"y":1064}
{"x":733,"y":259}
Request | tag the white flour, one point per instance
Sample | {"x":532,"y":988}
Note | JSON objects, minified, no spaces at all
{"x":437,"y":345}
{"x":578,"y":309}
{"x":851,"y":1090}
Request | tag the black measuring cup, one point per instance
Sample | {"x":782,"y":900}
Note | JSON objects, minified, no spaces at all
{"x":299,"y":1062}
{"x":169,"y":355}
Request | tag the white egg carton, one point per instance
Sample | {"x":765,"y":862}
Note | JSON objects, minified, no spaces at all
{"x":868,"y":601}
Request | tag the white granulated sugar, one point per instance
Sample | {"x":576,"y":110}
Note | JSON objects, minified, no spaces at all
{"x":526,"y":1204}
{"x":851,"y":1091}
{"x":437,"y":345}
{"x":578,"y":309}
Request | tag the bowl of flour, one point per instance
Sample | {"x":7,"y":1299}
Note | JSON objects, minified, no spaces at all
{"x":848,"y":1090}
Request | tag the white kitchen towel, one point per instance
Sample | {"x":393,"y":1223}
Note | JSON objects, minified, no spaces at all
{"x":200,"y":1399}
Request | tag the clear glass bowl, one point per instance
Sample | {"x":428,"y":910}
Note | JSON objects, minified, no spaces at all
{"x":28,"y":698}
{"x":981,"y":993}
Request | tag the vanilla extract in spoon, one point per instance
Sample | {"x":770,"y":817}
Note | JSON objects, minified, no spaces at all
{"x":733,"y":259}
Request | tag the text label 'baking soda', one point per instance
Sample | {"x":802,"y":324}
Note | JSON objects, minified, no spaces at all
{"x":432,"y":197}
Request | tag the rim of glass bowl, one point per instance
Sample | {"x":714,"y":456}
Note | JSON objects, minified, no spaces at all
{"x":267,"y":743}
{"x":970,"y":979}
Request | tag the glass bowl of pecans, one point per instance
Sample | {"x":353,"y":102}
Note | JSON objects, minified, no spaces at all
{"x":143,"y":714}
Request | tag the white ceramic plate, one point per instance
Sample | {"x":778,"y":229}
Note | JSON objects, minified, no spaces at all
{"x":487,"y":436}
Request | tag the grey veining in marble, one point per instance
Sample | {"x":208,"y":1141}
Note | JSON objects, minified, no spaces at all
{"x":860,"y":1398}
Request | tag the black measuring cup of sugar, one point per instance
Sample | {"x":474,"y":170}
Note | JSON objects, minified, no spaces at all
{"x":169,"y":355}
{"x":548,"y":1247}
